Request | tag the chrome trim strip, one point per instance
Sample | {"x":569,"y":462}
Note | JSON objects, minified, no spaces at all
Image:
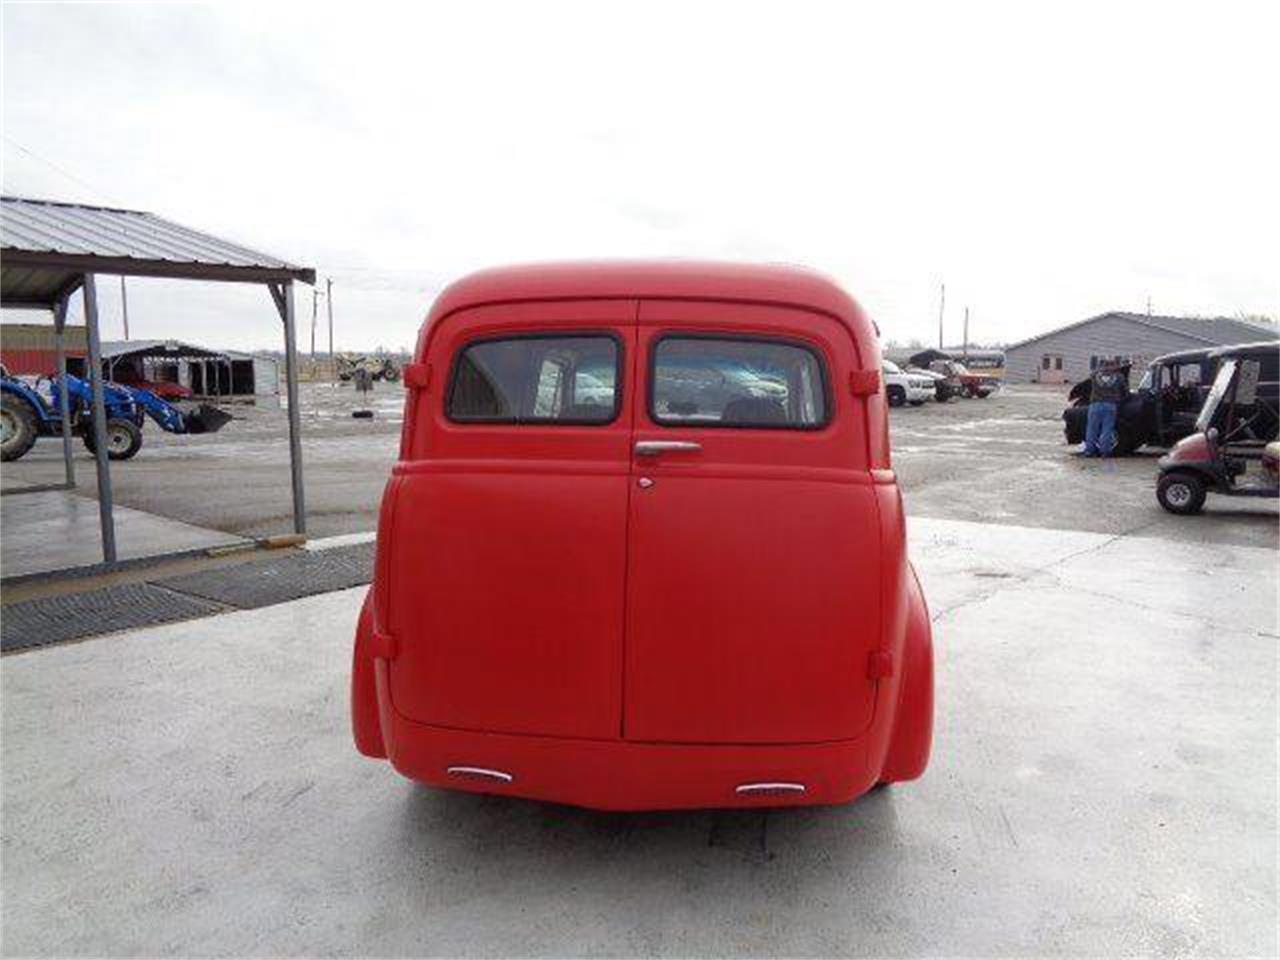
{"x":482,"y":772}
{"x":770,"y":788}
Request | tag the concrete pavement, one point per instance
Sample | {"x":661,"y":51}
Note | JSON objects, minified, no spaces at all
{"x":56,"y":530}
{"x":1104,"y":782}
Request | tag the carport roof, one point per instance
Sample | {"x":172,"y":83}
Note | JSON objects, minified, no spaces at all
{"x":114,"y":349}
{"x":46,"y":246}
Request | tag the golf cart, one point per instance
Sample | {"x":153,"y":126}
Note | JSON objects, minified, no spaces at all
{"x":1237,"y":425}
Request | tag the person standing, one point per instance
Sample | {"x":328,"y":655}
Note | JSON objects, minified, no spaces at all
{"x":1110,"y":386}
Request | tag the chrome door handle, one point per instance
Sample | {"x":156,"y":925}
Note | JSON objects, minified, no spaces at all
{"x":651,"y":448}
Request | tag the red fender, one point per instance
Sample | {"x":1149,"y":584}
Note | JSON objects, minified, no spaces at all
{"x":913,"y":720}
{"x":364,"y":694}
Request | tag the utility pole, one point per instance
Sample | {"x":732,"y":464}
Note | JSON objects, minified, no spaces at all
{"x":328,"y":303}
{"x":124,"y":306}
{"x":942,"y":306}
{"x":315,"y":306}
{"x":966,"y":334}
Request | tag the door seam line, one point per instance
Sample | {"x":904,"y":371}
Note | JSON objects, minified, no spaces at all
{"x":626,"y":555}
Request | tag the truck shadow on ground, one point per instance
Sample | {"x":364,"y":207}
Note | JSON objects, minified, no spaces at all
{"x":501,"y":834}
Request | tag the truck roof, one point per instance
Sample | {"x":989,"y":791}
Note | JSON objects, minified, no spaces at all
{"x":1181,"y":356}
{"x":782,"y":284}
{"x":1260,"y":348}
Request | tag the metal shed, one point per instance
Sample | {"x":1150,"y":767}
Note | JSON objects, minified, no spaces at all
{"x":1071,"y":353}
{"x":50,"y":249}
{"x":221,"y":375}
{"x":121,"y":356}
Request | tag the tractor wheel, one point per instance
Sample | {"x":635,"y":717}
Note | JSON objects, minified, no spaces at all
{"x":124,"y":439}
{"x":1181,"y":493}
{"x":17,"y":427}
{"x":897,"y":396}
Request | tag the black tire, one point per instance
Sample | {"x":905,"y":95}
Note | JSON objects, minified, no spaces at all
{"x":1181,"y":493}
{"x":124,"y":439}
{"x":18,"y":430}
{"x":897,"y":396}
{"x":1126,"y":444}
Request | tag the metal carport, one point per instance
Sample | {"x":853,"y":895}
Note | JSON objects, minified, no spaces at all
{"x":51,"y":249}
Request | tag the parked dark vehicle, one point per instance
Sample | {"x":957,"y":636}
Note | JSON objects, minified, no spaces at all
{"x":949,"y":383}
{"x":1164,"y":407}
{"x":1237,"y":425}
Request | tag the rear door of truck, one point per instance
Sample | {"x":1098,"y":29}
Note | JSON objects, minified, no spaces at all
{"x":509,"y":558}
{"x":754,"y":572}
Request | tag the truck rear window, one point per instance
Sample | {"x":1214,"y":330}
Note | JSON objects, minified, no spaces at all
{"x":536,"y":379}
{"x":712,"y":382}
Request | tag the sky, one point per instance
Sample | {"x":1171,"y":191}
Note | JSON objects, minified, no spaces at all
{"x":1047,"y":162}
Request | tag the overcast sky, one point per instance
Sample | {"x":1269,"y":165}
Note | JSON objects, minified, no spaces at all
{"x":1047,"y":162}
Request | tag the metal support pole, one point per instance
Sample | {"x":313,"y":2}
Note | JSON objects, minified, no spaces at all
{"x":328,"y":303}
{"x":283,"y":296}
{"x":64,"y":402}
{"x":942,"y":309}
{"x":124,"y":306}
{"x":99,"y":420}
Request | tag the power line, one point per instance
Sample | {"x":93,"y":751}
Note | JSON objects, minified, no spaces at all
{"x":62,"y":170}
{"x":428,"y":284}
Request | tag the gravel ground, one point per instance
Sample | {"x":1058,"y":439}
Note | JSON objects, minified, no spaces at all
{"x":999,"y":460}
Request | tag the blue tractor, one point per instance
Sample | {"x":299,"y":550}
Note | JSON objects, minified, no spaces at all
{"x":26,"y":414}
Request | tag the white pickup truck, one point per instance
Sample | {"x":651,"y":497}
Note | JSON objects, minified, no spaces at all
{"x":903,"y":387}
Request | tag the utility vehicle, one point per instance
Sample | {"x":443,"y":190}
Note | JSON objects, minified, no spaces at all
{"x":906,"y":386}
{"x":1237,"y":426}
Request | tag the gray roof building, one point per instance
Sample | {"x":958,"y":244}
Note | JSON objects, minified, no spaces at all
{"x":1069,"y":354}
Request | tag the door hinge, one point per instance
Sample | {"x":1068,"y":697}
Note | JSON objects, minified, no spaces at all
{"x":382,"y":645}
{"x":864,"y":383}
{"x":417,"y":376}
{"x":879,"y":665}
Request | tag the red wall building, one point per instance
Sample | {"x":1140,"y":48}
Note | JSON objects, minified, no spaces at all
{"x":29,"y":348}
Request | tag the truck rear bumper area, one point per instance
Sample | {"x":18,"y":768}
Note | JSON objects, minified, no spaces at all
{"x":621,"y":775}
